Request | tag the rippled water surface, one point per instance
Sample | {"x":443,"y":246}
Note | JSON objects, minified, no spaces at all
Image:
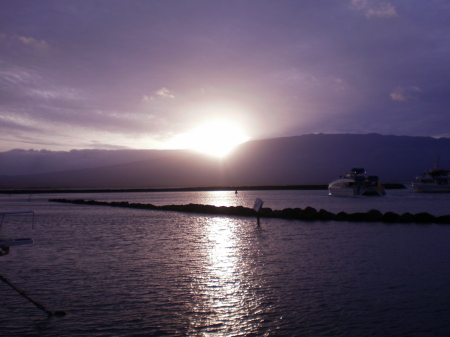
{"x":131,"y":272}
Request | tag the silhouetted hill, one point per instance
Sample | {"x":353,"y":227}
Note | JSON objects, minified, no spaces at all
{"x":24,"y":162}
{"x":307,"y":159}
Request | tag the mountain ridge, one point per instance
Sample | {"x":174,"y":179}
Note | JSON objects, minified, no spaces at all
{"x":298,"y":160}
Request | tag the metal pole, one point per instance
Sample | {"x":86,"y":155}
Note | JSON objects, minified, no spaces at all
{"x":37,"y":304}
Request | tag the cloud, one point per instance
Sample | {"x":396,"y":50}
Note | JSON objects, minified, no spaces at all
{"x":31,"y":41}
{"x":9,"y":125}
{"x":358,"y":4}
{"x":164,"y":93}
{"x":93,"y":144}
{"x":405,"y":94}
{"x":340,"y":84}
{"x":385,"y":10}
{"x":154,"y":69}
{"x":16,"y":77}
{"x":375,"y":9}
{"x":22,"y":82}
{"x":57,"y":93}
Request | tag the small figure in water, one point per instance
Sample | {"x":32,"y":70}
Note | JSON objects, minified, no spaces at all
{"x":235,"y":192}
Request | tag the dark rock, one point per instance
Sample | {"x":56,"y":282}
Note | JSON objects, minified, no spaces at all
{"x":341,"y":216}
{"x":309,"y":213}
{"x":373,"y":216}
{"x":274,"y":214}
{"x":234,"y":211}
{"x":358,"y":217}
{"x":391,"y":217}
{"x":292,"y":213}
{"x":406,"y":218}
{"x":443,"y":219}
{"x":238,"y":210}
{"x":166,"y":208}
{"x":298,"y":212}
{"x":209,"y":209}
{"x":325,"y":215}
{"x":289,"y":213}
{"x":187,"y":208}
{"x":222,"y":210}
{"x":424,"y":217}
{"x":265,"y":211}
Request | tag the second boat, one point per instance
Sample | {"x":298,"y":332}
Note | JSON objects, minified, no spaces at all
{"x":355,"y":183}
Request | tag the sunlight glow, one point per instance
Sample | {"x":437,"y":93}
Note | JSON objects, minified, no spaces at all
{"x":215,"y":138}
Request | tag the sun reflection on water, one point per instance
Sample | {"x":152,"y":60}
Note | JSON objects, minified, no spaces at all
{"x":224,"y":198}
{"x":224,"y":297}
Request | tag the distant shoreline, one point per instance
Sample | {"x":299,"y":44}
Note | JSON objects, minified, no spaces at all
{"x":181,"y":189}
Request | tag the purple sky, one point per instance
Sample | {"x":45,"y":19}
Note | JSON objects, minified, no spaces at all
{"x":134,"y":74}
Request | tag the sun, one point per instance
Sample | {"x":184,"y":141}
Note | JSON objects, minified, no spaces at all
{"x":214,"y":138}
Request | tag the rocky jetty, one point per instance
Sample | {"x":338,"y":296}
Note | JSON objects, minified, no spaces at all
{"x":306,"y":214}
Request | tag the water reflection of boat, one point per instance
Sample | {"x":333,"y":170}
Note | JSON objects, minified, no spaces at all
{"x":436,"y":180}
{"x":6,"y":242}
{"x":355,"y":183}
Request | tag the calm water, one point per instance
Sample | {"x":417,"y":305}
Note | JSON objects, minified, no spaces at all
{"x":129,"y":272}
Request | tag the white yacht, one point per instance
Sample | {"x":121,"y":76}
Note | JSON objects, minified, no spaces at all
{"x":436,"y":180}
{"x":356,"y":183}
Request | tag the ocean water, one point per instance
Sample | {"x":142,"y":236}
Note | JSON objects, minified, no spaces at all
{"x":131,"y":272}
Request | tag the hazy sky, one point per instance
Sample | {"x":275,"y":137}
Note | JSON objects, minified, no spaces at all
{"x":135,"y":74}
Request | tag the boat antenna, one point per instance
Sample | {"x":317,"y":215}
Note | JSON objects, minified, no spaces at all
{"x":437,"y":164}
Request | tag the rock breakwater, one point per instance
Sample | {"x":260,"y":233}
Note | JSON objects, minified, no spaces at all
{"x":306,"y":214}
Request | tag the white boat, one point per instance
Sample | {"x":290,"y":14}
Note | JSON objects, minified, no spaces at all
{"x":356,"y":183}
{"x":436,"y":180}
{"x":6,"y":242}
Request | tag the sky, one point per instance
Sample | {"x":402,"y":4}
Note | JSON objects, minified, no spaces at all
{"x":106,"y":74}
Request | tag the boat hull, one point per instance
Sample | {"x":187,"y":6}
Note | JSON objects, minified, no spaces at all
{"x":350,"y":188}
{"x":15,"y":242}
{"x":431,"y":188}
{"x":436,"y":180}
{"x":342,"y":192}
